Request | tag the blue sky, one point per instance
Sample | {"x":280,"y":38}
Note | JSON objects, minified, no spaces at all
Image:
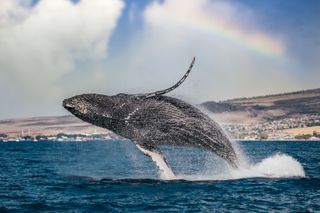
{"x":51,"y":50}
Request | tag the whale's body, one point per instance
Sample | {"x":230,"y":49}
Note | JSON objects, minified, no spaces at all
{"x":150,"y":120}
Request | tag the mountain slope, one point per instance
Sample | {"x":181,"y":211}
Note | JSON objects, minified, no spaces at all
{"x":269,"y":107}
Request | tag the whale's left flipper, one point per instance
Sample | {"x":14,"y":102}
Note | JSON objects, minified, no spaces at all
{"x":160,"y":160}
{"x":162,"y":92}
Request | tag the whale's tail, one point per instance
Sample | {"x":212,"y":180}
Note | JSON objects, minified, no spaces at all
{"x":162,"y":92}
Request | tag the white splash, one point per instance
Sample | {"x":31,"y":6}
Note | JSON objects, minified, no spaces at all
{"x":276,"y":166}
{"x":165,"y":171}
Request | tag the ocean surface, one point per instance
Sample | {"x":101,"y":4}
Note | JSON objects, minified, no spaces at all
{"x":114,"y":176}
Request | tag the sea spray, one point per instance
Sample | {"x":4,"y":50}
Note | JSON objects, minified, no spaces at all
{"x":214,"y":168}
{"x":275,"y":166}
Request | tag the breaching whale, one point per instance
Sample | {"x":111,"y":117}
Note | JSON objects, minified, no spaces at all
{"x":152,"y":119}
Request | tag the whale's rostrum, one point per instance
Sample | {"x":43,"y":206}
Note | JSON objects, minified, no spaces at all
{"x":152,"y":119}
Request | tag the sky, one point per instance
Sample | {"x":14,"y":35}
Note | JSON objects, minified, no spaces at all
{"x":51,"y":50}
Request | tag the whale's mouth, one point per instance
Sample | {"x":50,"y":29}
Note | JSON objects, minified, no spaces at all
{"x":68,"y":105}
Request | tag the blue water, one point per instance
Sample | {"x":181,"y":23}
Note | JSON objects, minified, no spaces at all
{"x":116,"y":176}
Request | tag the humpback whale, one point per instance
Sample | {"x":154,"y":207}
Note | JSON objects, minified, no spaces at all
{"x":152,"y":119}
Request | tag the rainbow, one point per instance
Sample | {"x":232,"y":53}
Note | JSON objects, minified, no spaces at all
{"x":255,"y":41}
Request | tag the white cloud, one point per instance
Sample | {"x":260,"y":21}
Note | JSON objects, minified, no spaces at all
{"x":43,"y":43}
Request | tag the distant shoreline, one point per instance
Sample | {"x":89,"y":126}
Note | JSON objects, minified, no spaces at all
{"x":291,"y":116}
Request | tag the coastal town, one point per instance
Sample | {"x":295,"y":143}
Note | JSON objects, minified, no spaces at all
{"x":306,"y":127}
{"x":61,"y":137}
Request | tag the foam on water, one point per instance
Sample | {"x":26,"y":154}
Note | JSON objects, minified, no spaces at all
{"x":276,"y":166}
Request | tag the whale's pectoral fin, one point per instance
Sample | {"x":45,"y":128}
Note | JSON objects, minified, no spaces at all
{"x":162,"y":92}
{"x":156,"y":155}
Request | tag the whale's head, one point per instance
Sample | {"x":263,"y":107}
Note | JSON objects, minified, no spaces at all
{"x":100,"y":110}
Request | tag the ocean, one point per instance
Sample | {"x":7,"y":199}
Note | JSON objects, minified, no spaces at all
{"x":114,"y":176}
